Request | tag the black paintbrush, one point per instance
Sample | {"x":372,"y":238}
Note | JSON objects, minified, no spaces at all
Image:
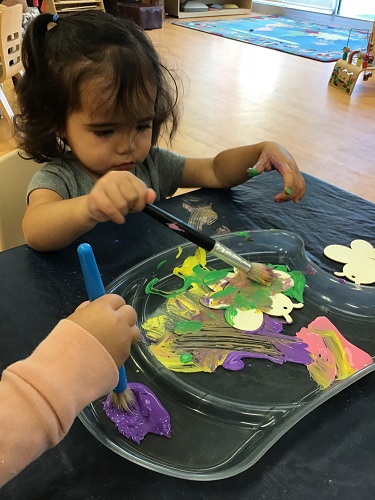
{"x":255,"y":271}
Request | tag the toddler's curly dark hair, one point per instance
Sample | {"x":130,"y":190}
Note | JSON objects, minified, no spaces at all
{"x":80,"y":47}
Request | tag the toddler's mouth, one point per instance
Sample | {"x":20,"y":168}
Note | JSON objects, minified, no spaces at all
{"x":124,"y":166}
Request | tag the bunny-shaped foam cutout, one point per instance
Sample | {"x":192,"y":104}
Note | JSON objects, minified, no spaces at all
{"x":359,"y":261}
{"x":282,"y":306}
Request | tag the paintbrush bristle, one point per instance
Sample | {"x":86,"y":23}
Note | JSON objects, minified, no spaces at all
{"x":261,"y":273}
{"x":124,"y":401}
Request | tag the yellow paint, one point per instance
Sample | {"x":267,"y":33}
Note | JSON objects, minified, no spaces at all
{"x":155,"y":327}
{"x":199,"y":259}
{"x":343,"y":368}
{"x":179,"y":252}
{"x":164,"y":353}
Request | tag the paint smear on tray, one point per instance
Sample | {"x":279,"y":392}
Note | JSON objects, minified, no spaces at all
{"x":149,"y":415}
{"x":219,"y":317}
{"x":333,"y":357}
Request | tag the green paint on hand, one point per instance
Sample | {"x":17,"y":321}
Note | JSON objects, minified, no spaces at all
{"x":288,"y":191}
{"x":252,"y":172}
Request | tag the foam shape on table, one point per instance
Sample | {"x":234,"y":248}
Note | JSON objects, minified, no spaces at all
{"x":359,"y":260}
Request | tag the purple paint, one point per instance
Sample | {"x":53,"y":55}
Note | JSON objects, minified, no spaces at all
{"x":295,"y":352}
{"x":287,"y":348}
{"x":270,"y":326}
{"x":148,"y":416}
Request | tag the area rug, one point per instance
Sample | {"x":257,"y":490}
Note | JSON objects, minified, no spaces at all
{"x":301,"y":38}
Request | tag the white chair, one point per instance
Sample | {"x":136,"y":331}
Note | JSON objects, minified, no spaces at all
{"x":10,"y":51}
{"x":15,"y":175}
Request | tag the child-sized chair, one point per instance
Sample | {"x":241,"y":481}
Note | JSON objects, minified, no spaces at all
{"x":10,"y":51}
{"x":15,"y":175}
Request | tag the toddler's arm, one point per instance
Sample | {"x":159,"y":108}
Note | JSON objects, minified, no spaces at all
{"x":51,"y":223}
{"x":41,"y":395}
{"x":235,"y":166}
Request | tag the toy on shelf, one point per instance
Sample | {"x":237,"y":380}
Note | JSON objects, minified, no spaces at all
{"x":347,"y":70}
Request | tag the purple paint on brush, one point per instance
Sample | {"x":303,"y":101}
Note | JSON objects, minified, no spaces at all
{"x":148,"y":416}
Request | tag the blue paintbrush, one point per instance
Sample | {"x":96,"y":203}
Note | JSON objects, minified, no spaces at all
{"x":122,"y":396}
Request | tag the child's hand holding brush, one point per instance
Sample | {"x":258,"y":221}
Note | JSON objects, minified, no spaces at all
{"x":41,"y":395}
{"x":112,"y":322}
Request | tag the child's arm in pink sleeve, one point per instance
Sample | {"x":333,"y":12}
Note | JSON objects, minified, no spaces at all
{"x":41,"y":395}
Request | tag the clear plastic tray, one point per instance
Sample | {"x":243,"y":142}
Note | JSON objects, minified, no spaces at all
{"x":223,"y":422}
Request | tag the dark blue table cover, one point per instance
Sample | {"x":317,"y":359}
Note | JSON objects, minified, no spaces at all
{"x":329,"y":454}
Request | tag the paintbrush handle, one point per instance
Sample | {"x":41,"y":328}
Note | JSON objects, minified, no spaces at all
{"x":95,"y":289}
{"x":180,"y":227}
{"x":90,"y":271}
{"x":202,"y":240}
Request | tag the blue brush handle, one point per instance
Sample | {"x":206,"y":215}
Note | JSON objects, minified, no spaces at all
{"x":95,"y":289}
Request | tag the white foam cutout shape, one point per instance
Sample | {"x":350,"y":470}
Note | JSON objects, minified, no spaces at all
{"x":250,"y":320}
{"x":282,"y":306}
{"x":359,"y":261}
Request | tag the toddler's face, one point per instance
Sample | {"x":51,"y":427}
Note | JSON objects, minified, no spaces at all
{"x":102,"y":137}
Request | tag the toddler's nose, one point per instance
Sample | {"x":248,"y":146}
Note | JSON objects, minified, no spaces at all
{"x":125,"y":144}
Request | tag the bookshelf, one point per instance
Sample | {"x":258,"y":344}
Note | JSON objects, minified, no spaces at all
{"x":68,"y":6}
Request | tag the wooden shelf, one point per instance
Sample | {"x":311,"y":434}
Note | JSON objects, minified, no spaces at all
{"x":172,"y":7}
{"x":68,"y":6}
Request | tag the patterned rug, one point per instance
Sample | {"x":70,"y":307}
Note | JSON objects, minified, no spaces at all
{"x":301,"y":38}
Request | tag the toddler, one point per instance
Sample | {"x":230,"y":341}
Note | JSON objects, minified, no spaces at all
{"x":94,"y":101}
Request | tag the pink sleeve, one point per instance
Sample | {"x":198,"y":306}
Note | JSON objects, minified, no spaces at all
{"x":41,"y":395}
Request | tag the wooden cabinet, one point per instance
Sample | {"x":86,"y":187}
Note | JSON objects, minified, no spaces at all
{"x":172,"y":7}
{"x":68,"y":6}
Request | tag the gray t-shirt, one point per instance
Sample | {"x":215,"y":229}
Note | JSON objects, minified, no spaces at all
{"x":162,"y":171}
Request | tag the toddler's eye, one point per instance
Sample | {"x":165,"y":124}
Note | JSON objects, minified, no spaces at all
{"x":103,"y":133}
{"x":144,"y":126}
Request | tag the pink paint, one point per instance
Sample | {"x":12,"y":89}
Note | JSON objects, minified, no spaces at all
{"x":174,"y":227}
{"x":148,"y":416}
{"x":324,"y":359}
{"x":357,"y":358}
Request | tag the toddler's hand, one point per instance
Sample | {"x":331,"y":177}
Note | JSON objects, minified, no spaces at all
{"x":111,"y":321}
{"x":275,"y":157}
{"x":115,"y":195}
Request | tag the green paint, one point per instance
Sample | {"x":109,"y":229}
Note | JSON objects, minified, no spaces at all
{"x":252,"y":172}
{"x":161,"y":263}
{"x":149,"y":288}
{"x":186,"y":358}
{"x":288,"y":191}
{"x":253,"y":298}
{"x":279,"y":267}
{"x":229,"y":314}
{"x":296,"y":291}
{"x":299,"y":285}
{"x":245,"y":234}
{"x":182,"y":327}
{"x":223,"y":293}
{"x":215,"y":276}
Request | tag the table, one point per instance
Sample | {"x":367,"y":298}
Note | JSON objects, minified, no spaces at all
{"x":329,"y":454}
